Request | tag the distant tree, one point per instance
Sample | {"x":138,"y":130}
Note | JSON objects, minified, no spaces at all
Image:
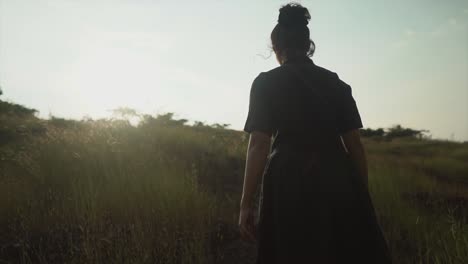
{"x":220,"y":126}
{"x":62,"y":122}
{"x":369,"y":132}
{"x":166,"y":119}
{"x":15,"y":109}
{"x":396,"y":131}
{"x":198,"y":124}
{"x":399,"y":131}
{"x":125,"y":112}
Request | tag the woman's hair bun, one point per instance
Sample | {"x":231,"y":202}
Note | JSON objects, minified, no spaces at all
{"x":293,"y":15}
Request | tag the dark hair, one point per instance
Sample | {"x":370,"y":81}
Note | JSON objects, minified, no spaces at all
{"x":291,"y":35}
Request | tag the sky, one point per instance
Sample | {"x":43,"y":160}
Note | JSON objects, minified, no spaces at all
{"x":406,"y":61}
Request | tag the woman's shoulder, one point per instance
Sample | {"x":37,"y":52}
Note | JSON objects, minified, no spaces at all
{"x":333,"y":78}
{"x":273,"y":77}
{"x":267,"y":78}
{"x":271,"y":74}
{"x":326,"y":72}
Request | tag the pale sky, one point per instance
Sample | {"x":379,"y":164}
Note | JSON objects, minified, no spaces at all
{"x":406,"y":61}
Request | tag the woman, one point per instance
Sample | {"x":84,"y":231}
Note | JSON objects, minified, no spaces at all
{"x":315,"y":206}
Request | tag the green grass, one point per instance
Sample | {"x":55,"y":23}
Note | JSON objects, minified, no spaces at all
{"x":164,"y":192}
{"x":424,"y":217}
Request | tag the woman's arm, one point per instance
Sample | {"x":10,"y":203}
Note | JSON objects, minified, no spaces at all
{"x":257,"y":152}
{"x":352,"y":141}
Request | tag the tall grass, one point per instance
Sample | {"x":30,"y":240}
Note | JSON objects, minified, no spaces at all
{"x":108,"y":192}
{"x":164,"y":192}
{"x":424,"y":217}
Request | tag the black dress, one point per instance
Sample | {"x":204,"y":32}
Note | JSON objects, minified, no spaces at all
{"x":314,"y":208}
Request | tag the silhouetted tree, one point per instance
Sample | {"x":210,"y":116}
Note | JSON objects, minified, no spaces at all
{"x":125,"y":112}
{"x":369,"y":132}
{"x":15,"y":109}
{"x":220,"y":126}
{"x":63,"y":123}
{"x":399,"y":131}
{"x":166,"y":119}
{"x":198,"y":124}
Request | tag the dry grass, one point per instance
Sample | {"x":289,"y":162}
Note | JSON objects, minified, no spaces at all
{"x":108,"y":192}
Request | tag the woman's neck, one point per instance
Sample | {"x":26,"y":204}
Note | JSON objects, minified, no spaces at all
{"x":294,"y":56}
{"x":295,"y":59}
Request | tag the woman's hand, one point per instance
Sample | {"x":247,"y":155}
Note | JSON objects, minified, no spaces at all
{"x":247,"y":227}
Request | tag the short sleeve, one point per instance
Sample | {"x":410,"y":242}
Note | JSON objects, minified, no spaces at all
{"x":259,"y":116}
{"x":349,"y":117}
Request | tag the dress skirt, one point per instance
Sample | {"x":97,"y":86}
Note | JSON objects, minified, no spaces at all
{"x":315,"y":209}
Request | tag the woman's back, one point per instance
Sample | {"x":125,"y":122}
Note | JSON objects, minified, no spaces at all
{"x":303,"y":105}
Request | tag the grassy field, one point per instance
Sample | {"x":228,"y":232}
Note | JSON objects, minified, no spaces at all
{"x":420,"y":189}
{"x":164,"y":192}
